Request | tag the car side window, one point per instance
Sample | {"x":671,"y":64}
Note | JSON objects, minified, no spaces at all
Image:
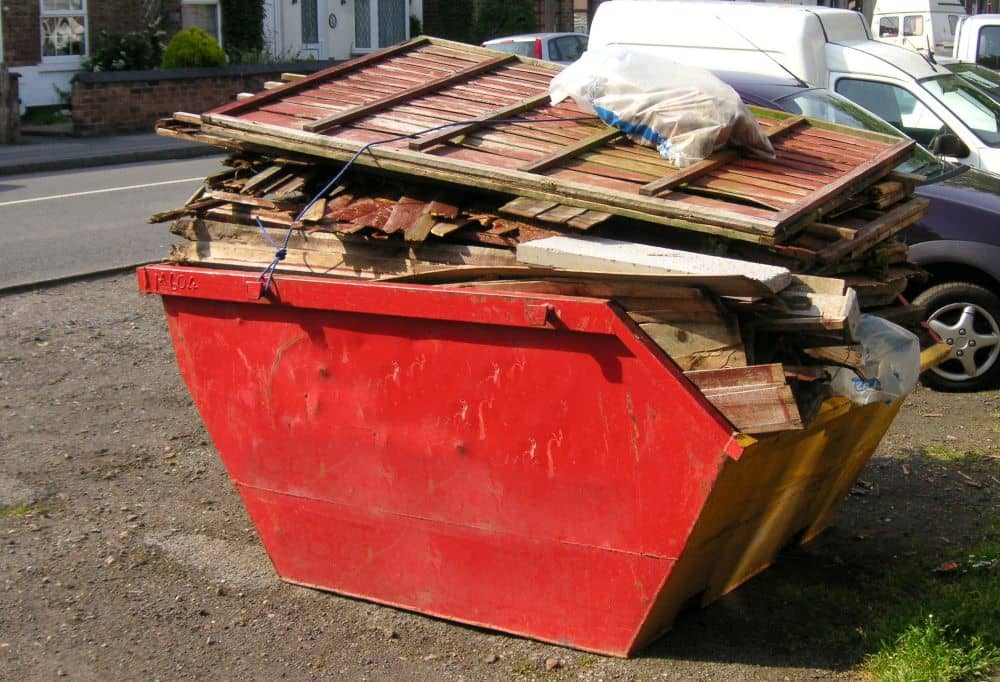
{"x":913,"y":25}
{"x":568,"y":48}
{"x":555,"y":53}
{"x":988,"y":50}
{"x":888,"y":27}
{"x":894,"y":104}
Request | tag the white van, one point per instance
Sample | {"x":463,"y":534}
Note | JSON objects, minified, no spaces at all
{"x":977,"y":40}
{"x":821,"y":47}
{"x":927,"y":26}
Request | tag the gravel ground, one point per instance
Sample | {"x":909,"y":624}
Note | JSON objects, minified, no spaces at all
{"x":125,"y":553}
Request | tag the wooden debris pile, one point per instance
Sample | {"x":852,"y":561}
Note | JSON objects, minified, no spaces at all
{"x":443,"y":164}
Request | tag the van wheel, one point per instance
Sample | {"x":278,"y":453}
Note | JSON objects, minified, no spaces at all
{"x":966,"y":317}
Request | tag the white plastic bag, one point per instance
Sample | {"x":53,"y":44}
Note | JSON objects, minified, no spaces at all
{"x":891,"y":364}
{"x":685,"y":112}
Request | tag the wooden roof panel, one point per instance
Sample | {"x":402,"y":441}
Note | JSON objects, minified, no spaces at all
{"x":469,"y":95}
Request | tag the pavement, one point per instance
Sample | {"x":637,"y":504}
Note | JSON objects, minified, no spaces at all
{"x":52,"y":150}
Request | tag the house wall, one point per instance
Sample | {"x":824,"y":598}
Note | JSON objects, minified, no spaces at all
{"x":336,"y":27}
{"x":42,"y":80}
{"x":21,"y":42}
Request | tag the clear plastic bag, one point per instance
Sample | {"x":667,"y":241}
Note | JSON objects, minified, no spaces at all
{"x":891,"y":357}
{"x":685,"y":112}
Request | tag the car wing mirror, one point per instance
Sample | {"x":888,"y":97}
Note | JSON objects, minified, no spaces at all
{"x":948,"y":144}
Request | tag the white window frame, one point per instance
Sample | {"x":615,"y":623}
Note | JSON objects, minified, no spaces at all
{"x":218,"y":15}
{"x":70,"y":59}
{"x":373,"y":26}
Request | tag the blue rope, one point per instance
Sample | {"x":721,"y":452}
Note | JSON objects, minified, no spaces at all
{"x":282,"y":251}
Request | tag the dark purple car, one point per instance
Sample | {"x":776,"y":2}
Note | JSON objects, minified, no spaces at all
{"x":957,"y":243}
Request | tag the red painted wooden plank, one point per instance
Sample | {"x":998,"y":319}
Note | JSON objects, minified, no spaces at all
{"x":754,"y":180}
{"x":602,"y":170}
{"x":593,"y":180}
{"x":475,"y":156}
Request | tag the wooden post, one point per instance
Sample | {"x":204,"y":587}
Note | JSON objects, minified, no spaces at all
{"x":10,"y":107}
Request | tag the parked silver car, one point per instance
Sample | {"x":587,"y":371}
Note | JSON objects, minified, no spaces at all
{"x":553,"y":47}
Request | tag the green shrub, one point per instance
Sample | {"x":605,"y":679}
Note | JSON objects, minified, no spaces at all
{"x":192,"y":47}
{"x":499,"y":18}
{"x":134,"y":51}
{"x":243,"y":30}
{"x":452,"y":21}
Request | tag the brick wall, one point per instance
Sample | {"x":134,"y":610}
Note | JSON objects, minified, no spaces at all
{"x":21,"y":26}
{"x":131,"y":101}
{"x":115,"y":16}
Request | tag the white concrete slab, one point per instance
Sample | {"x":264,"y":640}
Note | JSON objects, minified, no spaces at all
{"x":596,"y":254}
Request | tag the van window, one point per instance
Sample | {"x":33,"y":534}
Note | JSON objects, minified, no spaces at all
{"x":988,"y":50}
{"x":894,"y":104}
{"x":888,"y":27}
{"x":913,"y":25}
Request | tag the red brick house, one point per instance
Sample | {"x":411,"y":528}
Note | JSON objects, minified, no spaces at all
{"x":45,"y":40}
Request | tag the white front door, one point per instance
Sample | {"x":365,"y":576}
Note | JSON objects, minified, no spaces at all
{"x":312,"y":28}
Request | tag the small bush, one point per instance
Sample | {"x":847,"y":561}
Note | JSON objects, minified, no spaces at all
{"x":497,"y":18}
{"x":192,"y":47}
{"x":134,"y":51}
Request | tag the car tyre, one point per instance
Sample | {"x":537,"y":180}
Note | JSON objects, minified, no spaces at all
{"x":967,"y":317}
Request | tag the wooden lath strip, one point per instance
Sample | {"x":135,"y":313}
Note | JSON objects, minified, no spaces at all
{"x":675,"y":179}
{"x":572,"y":150}
{"x":445,"y":135}
{"x":434,"y":85}
{"x":236,"y":108}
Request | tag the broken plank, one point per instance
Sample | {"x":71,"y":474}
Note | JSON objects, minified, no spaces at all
{"x":846,"y":356}
{"x":877,"y":230}
{"x":588,"y":219}
{"x":196,"y":229}
{"x":764,"y":409}
{"x":698,"y":344}
{"x":737,"y":377}
{"x":525,"y":207}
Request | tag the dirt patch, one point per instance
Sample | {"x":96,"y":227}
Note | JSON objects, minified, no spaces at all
{"x":126,"y":554}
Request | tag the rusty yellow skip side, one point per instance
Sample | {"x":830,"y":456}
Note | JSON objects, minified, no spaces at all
{"x":785,"y":487}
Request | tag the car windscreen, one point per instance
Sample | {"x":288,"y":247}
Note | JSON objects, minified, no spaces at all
{"x":975,"y":108}
{"x":829,"y":106}
{"x":985,"y":79}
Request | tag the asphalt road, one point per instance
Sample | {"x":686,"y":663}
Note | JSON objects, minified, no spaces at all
{"x":68,"y":223}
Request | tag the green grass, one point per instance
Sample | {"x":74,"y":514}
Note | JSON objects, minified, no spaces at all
{"x":906,"y":620}
{"x":938,"y":626}
{"x":23,"y":510}
{"x":945,"y":626}
{"x":931,"y":652}
{"x":949,"y":455}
